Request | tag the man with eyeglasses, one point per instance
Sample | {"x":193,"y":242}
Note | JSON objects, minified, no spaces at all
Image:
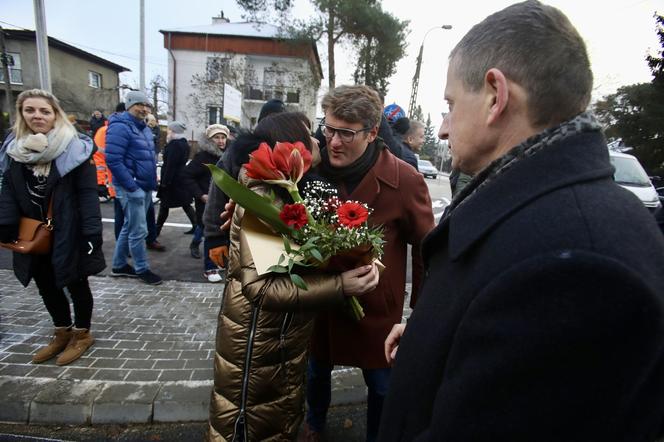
{"x":360,"y":165}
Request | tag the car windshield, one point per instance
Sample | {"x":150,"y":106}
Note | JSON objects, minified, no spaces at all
{"x":424,"y":163}
{"x":629,"y":172}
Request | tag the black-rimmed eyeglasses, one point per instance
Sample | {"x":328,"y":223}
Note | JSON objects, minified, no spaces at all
{"x":345,"y":135}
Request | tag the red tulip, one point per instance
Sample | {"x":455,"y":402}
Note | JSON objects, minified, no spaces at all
{"x":292,"y":159}
{"x":261,"y":165}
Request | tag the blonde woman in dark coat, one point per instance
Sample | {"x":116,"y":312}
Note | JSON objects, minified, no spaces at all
{"x":48,"y":161}
{"x":265,"y":324}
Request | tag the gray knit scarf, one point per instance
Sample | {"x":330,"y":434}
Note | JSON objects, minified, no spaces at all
{"x":582,"y":123}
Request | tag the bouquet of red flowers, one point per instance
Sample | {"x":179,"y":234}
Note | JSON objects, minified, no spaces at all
{"x":318,"y":230}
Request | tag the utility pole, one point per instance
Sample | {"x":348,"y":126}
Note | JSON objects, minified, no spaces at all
{"x":42,"y":46}
{"x":416,"y":77}
{"x":6,"y":59}
{"x":142,"y":67}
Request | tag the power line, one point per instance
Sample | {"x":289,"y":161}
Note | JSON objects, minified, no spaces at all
{"x":130,"y":57}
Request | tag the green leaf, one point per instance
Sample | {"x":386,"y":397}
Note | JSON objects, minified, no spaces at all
{"x":277,"y":269}
{"x":316,"y":254}
{"x":290,"y":264}
{"x":250,"y":200}
{"x":298,"y":281}
{"x":281,"y":259}
{"x":287,"y":245}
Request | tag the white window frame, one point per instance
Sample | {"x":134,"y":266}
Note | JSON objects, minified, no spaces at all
{"x":15,"y":71}
{"x":92,"y":76}
{"x":218,"y":117}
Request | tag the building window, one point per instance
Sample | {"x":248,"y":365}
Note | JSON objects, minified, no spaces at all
{"x":215,"y":115}
{"x":94,"y":79}
{"x":14,"y":64}
{"x":216,"y":68}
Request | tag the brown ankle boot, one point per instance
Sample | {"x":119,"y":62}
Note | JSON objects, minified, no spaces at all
{"x":80,"y":341}
{"x":60,"y":339}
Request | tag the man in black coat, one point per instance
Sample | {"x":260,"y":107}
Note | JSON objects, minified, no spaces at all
{"x":542,"y":313}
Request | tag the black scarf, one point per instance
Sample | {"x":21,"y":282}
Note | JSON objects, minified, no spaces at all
{"x":351,"y":175}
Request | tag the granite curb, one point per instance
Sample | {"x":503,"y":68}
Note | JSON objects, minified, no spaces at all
{"x":152,"y":360}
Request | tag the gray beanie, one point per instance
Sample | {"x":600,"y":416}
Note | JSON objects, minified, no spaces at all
{"x":177,"y":127}
{"x":136,"y":97}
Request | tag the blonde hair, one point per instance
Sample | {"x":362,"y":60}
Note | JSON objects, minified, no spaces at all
{"x":21,"y":128}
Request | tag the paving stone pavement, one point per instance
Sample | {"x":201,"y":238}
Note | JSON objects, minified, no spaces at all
{"x":151,"y":362}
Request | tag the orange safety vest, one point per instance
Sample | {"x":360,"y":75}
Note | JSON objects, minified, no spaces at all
{"x":104,"y":176}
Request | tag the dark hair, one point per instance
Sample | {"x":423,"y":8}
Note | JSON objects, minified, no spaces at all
{"x":271,"y":107}
{"x":537,"y":47}
{"x":120,"y":107}
{"x":401,"y":126}
{"x":285,"y":126}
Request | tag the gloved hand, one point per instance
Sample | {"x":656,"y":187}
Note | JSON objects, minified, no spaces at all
{"x":91,"y":243}
{"x":219,"y":255}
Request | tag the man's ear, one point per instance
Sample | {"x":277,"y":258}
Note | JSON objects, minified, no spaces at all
{"x":373,"y":133}
{"x":498,"y":94}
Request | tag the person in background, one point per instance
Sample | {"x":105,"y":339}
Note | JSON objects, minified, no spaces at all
{"x":265,"y":321}
{"x":153,"y":124}
{"x":541,"y":317}
{"x":172,"y":191}
{"x":49,"y":163}
{"x":97,"y":121}
{"x":197,"y":177}
{"x":400,"y":128}
{"x":414,"y":136}
{"x":130,"y":156}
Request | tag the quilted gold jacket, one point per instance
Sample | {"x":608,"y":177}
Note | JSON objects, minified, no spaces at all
{"x":263,"y":333}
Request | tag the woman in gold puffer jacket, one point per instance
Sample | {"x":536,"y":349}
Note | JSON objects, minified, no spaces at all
{"x":265,"y":323}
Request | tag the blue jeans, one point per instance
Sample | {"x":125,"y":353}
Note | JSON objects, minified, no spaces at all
{"x":134,"y":229}
{"x":152,"y":225}
{"x":319,"y":393}
{"x":198,"y":237}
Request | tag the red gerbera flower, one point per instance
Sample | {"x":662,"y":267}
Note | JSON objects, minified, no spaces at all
{"x":294,"y":215}
{"x":352,"y":214}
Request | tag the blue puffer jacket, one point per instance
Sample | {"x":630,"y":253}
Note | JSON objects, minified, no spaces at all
{"x":130,"y":153}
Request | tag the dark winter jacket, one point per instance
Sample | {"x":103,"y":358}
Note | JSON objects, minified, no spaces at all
{"x":72,"y":183}
{"x":196,"y":176}
{"x":96,"y":124}
{"x":409,"y":156}
{"x":130,"y":153}
{"x":173,"y":191}
{"x":541,"y":316}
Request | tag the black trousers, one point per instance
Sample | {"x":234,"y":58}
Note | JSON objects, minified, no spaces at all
{"x":56,"y":301}
{"x":163,"y":215}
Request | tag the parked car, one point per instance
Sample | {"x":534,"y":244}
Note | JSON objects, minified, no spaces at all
{"x":427,"y":169}
{"x":630,"y":175}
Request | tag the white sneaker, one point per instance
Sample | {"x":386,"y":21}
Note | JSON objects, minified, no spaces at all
{"x":212,"y":276}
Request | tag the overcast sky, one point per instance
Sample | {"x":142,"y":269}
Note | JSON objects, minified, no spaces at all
{"x":618,"y":33}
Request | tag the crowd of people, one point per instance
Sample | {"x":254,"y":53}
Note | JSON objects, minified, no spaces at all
{"x":538,"y":299}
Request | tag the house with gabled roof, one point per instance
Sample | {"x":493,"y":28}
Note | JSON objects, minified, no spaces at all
{"x":224,"y":73}
{"x":83,"y":82}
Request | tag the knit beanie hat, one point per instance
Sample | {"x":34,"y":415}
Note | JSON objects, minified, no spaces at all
{"x":177,"y":127}
{"x":215,"y":129}
{"x":136,"y":97}
{"x":273,"y":106}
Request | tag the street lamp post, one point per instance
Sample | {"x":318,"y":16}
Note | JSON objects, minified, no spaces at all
{"x":416,"y":77}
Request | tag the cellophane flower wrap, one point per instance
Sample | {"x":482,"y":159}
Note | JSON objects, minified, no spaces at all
{"x":330,"y":234}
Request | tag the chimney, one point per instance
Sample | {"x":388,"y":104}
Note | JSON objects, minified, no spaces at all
{"x":220,"y":20}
